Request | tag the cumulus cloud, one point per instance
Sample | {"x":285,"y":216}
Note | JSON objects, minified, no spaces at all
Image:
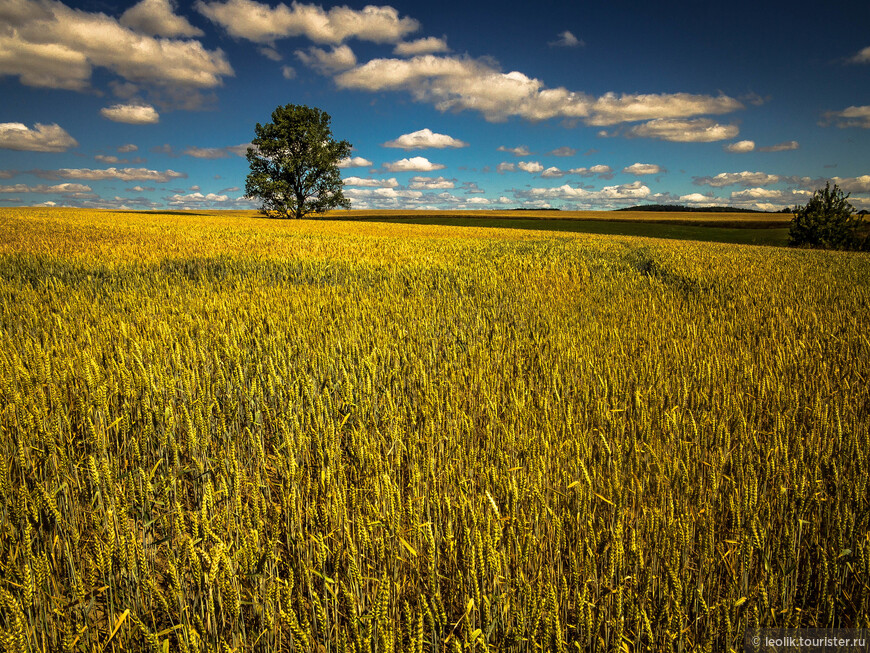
{"x":849,"y":117}
{"x":381,"y":194}
{"x":45,"y":43}
{"x":261,"y":23}
{"x":567,"y":40}
{"x":132,"y":114}
{"x":129,"y":147}
{"x":425,"y":138}
{"x":623,"y":192}
{"x":530,"y":166}
{"x":42,"y":138}
{"x":642,"y":169}
{"x":44,"y":188}
{"x":520,"y":150}
{"x":744,"y":178}
{"x":611,"y":108}
{"x":460,"y":83}
{"x":428,"y":45}
{"x":340,"y":58}
{"x":354,"y":162}
{"x":206,"y":152}
{"x":414,"y":164}
{"x":270,"y":53}
{"x":431,"y":183}
{"x":563,"y":151}
{"x":553,"y":173}
{"x":862,"y":57}
{"x":780,"y":147}
{"x":157,"y":18}
{"x":739,"y":146}
{"x":124,"y":174}
{"x":239,"y":150}
{"x":505,"y":167}
{"x":603,"y":172}
{"x":288,"y":72}
{"x":853,"y":184}
{"x":697,"y":130}
{"x":197,"y":198}
{"x":695,"y":198}
{"x":754,"y":194}
{"x":371,"y":183}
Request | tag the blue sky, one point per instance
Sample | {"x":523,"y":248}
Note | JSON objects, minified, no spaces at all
{"x":575,"y":105}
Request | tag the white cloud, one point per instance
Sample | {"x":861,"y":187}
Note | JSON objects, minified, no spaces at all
{"x":42,"y":138}
{"x":382,"y":194}
{"x":270,"y":53}
{"x":853,"y":184}
{"x":739,"y":146}
{"x":623,"y":192}
{"x":753,"y":194}
{"x":354,"y":162}
{"x":371,"y":183}
{"x":414,"y":164}
{"x":133,"y":114}
{"x":239,"y":150}
{"x":553,"y":173}
{"x":530,"y":166}
{"x":46,"y":43}
{"x":698,"y":130}
{"x":261,"y":23}
{"x":197,"y":198}
{"x":102,"y":158}
{"x":431,"y":183}
{"x":563,"y":151}
{"x":567,"y":40}
{"x":611,"y":109}
{"x":780,"y":147}
{"x":459,"y":83}
{"x":43,"y":188}
{"x":744,"y":178}
{"x":124,"y":174}
{"x":603,"y":171}
{"x":288,"y":72}
{"x":340,"y":58}
{"x":157,"y":18}
{"x":206,"y":152}
{"x":520,"y":150}
{"x":862,"y":57}
{"x":505,"y":167}
{"x":425,"y":138}
{"x":428,"y":45}
{"x":850,"y":117}
{"x":642,"y":169}
{"x":124,"y":149}
{"x":695,"y":198}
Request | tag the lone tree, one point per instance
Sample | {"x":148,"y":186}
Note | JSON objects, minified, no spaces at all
{"x":828,"y":220}
{"x":294,"y":164}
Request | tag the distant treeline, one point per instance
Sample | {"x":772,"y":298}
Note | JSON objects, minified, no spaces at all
{"x":670,"y":208}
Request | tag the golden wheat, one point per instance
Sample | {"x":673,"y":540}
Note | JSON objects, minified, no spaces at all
{"x":220,"y":433}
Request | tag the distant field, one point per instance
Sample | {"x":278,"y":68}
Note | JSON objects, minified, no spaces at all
{"x":740,"y":219}
{"x":220,"y":432}
{"x":744,"y":228}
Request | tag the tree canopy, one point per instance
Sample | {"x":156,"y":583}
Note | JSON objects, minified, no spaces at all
{"x":294,"y":164}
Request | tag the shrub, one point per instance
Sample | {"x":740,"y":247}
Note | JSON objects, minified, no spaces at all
{"x":828,"y":221}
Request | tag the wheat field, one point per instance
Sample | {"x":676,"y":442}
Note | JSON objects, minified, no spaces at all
{"x":225,"y":433}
